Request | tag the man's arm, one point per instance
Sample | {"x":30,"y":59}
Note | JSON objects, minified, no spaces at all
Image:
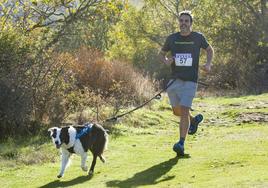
{"x":164,"y":58}
{"x":210,"y":54}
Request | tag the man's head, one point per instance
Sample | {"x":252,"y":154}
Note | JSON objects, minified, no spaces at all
{"x":185,"y":21}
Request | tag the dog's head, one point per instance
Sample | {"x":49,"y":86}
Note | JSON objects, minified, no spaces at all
{"x":59,"y":136}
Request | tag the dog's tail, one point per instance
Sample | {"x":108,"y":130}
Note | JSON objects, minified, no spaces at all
{"x":101,"y":142}
{"x":103,"y":146}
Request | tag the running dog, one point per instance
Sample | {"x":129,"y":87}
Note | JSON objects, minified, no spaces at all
{"x":78,"y":140}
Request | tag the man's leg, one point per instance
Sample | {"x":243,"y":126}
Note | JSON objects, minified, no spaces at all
{"x":194,"y":121}
{"x":177,"y":112}
{"x":184,"y":113}
{"x":184,"y":121}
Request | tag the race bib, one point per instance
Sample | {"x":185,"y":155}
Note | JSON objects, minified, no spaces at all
{"x":184,"y":59}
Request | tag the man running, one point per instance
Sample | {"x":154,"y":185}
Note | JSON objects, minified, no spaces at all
{"x":181,"y":50}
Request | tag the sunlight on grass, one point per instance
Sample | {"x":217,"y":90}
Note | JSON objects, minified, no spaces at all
{"x":225,"y":152}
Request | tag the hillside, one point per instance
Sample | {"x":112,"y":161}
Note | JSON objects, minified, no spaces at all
{"x":229,"y":150}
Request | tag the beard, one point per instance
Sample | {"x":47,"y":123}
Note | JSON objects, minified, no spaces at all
{"x":184,"y":28}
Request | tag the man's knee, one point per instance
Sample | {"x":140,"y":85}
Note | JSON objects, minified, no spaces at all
{"x":184,"y":111}
{"x":176,"y":111}
{"x":181,"y":111}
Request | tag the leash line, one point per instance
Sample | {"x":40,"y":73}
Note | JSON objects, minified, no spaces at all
{"x":157,"y":96}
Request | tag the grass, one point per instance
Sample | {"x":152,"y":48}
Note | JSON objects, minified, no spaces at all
{"x":225,"y":152}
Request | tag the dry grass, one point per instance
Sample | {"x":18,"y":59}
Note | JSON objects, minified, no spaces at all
{"x":110,"y":78}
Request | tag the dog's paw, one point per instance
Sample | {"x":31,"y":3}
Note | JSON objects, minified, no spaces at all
{"x":59,"y":176}
{"x":90,"y":172}
{"x":102,"y":159}
{"x":84,"y":168}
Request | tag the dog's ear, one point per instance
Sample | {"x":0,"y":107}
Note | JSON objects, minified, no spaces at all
{"x":107,"y":130}
{"x":50,"y":131}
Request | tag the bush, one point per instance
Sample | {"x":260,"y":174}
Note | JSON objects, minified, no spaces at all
{"x":110,"y":78}
{"x":47,"y":89}
{"x":103,"y":83}
{"x":15,"y":95}
{"x":32,"y":86}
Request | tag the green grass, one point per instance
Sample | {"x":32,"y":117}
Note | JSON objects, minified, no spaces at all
{"x":226,"y":152}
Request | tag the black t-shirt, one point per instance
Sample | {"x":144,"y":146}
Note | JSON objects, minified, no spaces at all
{"x":185,"y":50}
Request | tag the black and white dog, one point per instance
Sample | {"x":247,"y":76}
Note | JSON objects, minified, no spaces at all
{"x":78,"y":139}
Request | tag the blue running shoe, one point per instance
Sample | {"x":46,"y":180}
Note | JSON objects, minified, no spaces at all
{"x":194,"y":125}
{"x":179,"y":149}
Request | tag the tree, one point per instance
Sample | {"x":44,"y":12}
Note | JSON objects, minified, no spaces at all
{"x":32,"y":73}
{"x":236,"y":29}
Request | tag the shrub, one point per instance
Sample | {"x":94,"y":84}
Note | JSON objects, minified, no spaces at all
{"x":15,"y":95}
{"x":110,"y":78}
{"x":105,"y":83}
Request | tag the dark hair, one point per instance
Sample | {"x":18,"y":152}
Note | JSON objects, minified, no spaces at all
{"x":187,"y":13}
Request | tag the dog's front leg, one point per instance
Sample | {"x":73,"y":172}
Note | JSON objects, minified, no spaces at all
{"x":64,"y":161}
{"x":83,"y":161}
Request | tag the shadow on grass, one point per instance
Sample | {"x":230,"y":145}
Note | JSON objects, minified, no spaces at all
{"x":148,"y":176}
{"x":58,"y":183}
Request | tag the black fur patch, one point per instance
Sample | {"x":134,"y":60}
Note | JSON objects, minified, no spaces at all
{"x":54,"y":133}
{"x":94,"y":140}
{"x":71,"y":150}
{"x":64,"y":135}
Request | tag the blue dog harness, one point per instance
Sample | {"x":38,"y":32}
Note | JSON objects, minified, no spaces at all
{"x":85,"y":130}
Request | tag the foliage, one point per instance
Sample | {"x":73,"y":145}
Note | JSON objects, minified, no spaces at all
{"x":36,"y":74}
{"x":79,"y":22}
{"x":46,"y":75}
{"x":29,"y":86}
{"x":92,"y":29}
{"x":237,"y":32}
{"x":108,"y":83}
{"x":15,"y":61}
{"x":236,"y":29}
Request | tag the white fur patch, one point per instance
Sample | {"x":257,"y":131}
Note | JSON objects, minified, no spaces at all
{"x":73,"y":142}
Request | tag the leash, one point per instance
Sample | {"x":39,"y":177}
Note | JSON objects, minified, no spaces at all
{"x":157,"y":96}
{"x":202,"y":83}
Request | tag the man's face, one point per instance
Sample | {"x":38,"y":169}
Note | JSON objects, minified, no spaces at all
{"x":185,"y":23}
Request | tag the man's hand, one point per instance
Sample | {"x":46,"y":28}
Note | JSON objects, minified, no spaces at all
{"x":165,"y":57}
{"x":168,"y":60}
{"x":210,"y":54}
{"x":207,"y":67}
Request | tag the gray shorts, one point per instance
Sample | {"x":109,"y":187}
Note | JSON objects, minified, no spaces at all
{"x":181,"y":93}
